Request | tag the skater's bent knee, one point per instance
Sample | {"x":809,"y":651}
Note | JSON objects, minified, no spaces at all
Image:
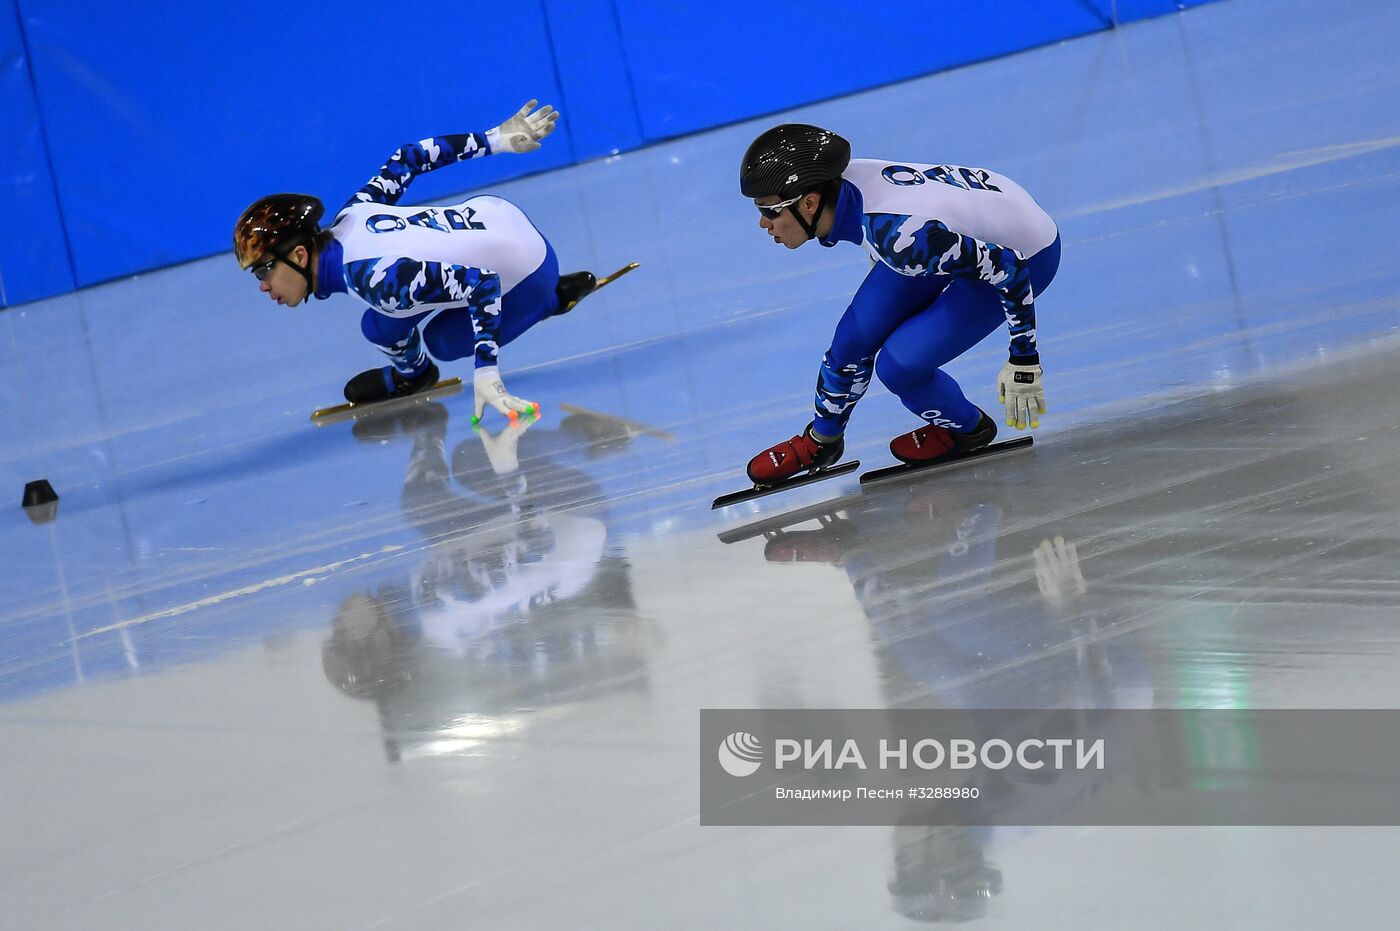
{"x":372,"y":326}
{"x":442,"y":344}
{"x":894,"y":375}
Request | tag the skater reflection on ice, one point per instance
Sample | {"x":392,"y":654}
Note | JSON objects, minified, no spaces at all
{"x":518,"y":602}
{"x":966,"y":611}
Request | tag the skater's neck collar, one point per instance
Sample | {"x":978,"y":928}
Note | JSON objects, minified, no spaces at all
{"x":330,"y":270}
{"x":846,"y":225}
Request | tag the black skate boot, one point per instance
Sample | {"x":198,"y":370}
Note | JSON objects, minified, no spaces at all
{"x":385,"y":383}
{"x":572,"y":289}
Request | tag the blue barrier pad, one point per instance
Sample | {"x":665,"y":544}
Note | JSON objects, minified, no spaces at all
{"x":33,"y":255}
{"x":160,"y":141}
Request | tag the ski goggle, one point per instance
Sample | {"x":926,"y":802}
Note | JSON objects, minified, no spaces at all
{"x":773,"y":211}
{"x":263,"y":269}
{"x":261,"y":272}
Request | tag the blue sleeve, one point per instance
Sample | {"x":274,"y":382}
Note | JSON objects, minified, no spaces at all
{"x":933,"y":249}
{"x":396,"y":285}
{"x":884,"y":300}
{"x":415,"y":158}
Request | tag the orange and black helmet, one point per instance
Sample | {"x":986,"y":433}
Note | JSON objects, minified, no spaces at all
{"x":275,"y":224}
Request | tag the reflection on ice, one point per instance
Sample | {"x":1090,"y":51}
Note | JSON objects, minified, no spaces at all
{"x":513,"y":606}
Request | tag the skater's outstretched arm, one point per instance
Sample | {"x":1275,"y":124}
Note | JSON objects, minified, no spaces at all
{"x":487,"y":386}
{"x":521,"y":133}
{"x":413,"y":159}
{"x":931,"y":248}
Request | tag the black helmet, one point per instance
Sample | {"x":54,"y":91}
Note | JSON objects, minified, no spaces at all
{"x":276,"y":222}
{"x":792,"y":159}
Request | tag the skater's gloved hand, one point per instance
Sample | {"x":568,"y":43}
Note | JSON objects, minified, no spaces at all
{"x":523,"y":132}
{"x":489,"y":389}
{"x":1021,"y":389}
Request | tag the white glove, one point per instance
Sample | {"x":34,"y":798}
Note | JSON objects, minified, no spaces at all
{"x":523,"y":132}
{"x":1021,"y":389}
{"x":487,"y":386}
{"x":1057,"y":570}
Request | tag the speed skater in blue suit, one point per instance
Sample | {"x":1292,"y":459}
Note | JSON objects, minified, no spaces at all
{"x":957,"y":252}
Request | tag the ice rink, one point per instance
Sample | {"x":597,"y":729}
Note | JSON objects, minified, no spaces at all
{"x":393,"y":673}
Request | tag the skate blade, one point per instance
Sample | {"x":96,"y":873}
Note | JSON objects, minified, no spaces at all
{"x":805,"y":479}
{"x":601,"y":282}
{"x":904,"y":468}
{"x":630,"y":266}
{"x":343,"y":412}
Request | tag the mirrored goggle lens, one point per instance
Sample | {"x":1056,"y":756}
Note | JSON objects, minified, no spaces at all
{"x":773,"y":211}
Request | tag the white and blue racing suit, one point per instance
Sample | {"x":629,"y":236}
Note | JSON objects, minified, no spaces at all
{"x":480,"y":266}
{"x":957,"y":252}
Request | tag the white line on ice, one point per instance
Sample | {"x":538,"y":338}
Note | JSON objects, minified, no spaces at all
{"x":236,"y":593}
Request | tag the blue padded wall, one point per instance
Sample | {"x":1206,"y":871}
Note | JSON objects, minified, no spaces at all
{"x":796,"y":51}
{"x":591,"y":63}
{"x":151,"y":132}
{"x":33,"y":254}
{"x":164,"y":125}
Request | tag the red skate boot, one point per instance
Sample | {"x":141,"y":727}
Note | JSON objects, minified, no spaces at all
{"x":801,"y":453}
{"x":931,"y":447}
{"x":791,"y":464}
{"x":929,"y":442}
